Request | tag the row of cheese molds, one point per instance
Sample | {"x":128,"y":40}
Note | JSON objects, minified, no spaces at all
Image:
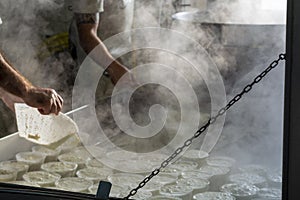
{"x":195,"y":176}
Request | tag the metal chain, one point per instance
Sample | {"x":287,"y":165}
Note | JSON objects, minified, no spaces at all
{"x":212,"y":120}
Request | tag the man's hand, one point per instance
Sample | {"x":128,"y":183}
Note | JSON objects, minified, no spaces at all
{"x":44,"y":99}
{"x":15,"y":88}
{"x":116,"y":71}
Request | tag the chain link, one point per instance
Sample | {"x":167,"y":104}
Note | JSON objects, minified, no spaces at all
{"x":211,"y":121}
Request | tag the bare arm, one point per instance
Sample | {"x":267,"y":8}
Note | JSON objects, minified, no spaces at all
{"x":11,"y":80}
{"x":87,"y":25}
{"x":15,"y":88}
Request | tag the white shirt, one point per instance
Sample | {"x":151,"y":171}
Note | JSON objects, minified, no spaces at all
{"x":85,"y":6}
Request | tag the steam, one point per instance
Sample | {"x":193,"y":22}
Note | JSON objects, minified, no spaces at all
{"x":255,"y":121}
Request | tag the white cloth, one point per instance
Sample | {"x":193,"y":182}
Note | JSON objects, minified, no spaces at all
{"x":116,"y":18}
{"x":85,"y":6}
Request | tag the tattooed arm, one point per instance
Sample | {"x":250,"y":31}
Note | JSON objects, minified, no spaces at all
{"x":15,"y":88}
{"x":87,"y":25}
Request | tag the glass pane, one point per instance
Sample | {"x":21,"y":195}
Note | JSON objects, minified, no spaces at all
{"x":188,"y":59}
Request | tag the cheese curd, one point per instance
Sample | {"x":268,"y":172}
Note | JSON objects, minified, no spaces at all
{"x":117,"y":190}
{"x":61,"y":168}
{"x":251,"y":178}
{"x":7,"y":174}
{"x":182,"y":191}
{"x":213,"y":196}
{"x":74,"y":184}
{"x":74,"y":158}
{"x":19,"y":167}
{"x":240,"y":190}
{"x":184,"y":165}
{"x":198,"y":185}
{"x":33,"y":159}
{"x":160,"y":197}
{"x":196,"y":174}
{"x":94,"y":163}
{"x":93,"y":174}
{"x":41,"y":178}
{"x":51,"y":154}
{"x":165,"y":178}
{"x":214,"y":170}
{"x":140,"y":195}
{"x":220,"y":161}
{"x":152,"y":186}
{"x":125,"y":179}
